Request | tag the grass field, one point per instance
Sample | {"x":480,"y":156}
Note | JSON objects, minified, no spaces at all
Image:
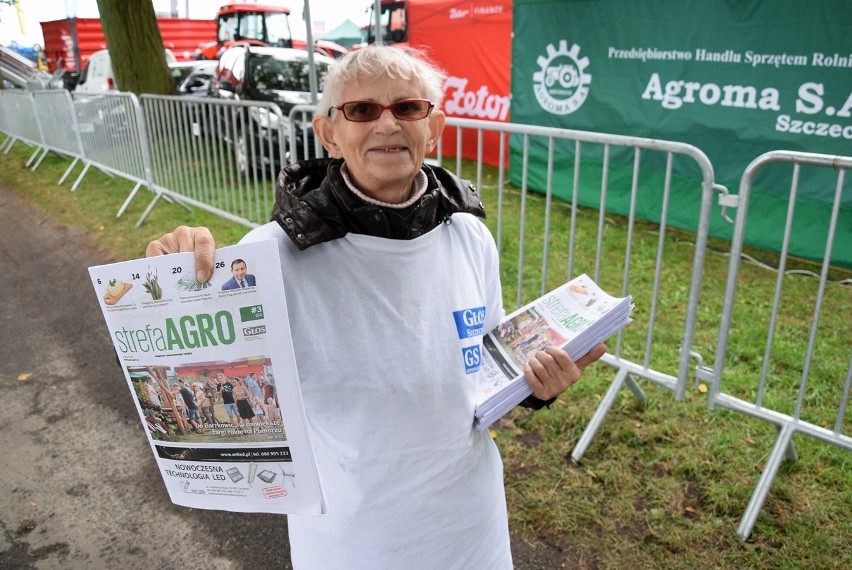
{"x":663,"y":485}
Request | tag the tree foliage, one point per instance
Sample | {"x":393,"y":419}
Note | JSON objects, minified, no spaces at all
{"x":135,"y":46}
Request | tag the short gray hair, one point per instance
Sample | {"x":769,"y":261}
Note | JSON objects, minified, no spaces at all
{"x":375,"y":61}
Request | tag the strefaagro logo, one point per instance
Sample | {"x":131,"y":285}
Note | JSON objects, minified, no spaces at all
{"x":562,"y":84}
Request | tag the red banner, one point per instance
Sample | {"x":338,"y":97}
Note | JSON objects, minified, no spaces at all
{"x":472,"y":41}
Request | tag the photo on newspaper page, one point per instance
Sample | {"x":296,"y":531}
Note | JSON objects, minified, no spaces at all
{"x":521,"y":337}
{"x":211,"y":370}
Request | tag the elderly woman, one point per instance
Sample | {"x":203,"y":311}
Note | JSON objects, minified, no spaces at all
{"x":409,"y":483}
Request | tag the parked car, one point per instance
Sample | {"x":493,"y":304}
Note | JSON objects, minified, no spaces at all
{"x":276,"y":75}
{"x":193,"y":77}
{"x":97,"y":76}
{"x":331,"y":49}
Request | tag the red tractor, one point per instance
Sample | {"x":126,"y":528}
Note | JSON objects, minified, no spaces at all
{"x":393,"y":20}
{"x":256,"y":24}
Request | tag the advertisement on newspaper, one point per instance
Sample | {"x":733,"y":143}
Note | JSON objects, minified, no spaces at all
{"x":211,"y":370}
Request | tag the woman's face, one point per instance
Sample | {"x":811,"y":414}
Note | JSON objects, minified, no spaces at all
{"x":382,"y":156}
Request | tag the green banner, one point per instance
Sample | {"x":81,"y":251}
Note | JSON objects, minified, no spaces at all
{"x":735,"y":79}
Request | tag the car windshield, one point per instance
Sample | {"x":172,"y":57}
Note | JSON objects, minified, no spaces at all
{"x":268,"y":72}
{"x":180,"y":72}
{"x":277,"y":30}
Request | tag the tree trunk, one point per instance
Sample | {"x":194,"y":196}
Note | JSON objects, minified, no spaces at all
{"x":135,"y":46}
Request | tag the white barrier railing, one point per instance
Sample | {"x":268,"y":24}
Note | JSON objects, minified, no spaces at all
{"x":302,"y":142}
{"x":20,"y":120}
{"x":54,"y":110}
{"x":219,"y":155}
{"x":5,"y":129}
{"x":774,"y":377}
{"x":113,"y":138}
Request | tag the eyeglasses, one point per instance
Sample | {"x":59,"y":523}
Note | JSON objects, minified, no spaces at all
{"x":366,"y":111}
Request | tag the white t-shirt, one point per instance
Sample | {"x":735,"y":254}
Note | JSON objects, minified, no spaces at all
{"x":386,"y":335}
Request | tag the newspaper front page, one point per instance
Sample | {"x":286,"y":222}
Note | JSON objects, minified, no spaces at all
{"x":210,"y":367}
{"x":575,"y":317}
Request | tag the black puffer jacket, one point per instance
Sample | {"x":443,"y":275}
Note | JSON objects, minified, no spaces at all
{"x":314,"y":205}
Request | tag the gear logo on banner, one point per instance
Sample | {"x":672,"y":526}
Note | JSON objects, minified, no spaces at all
{"x":562,"y":84}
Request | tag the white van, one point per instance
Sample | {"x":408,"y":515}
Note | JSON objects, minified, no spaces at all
{"x":97,"y":74}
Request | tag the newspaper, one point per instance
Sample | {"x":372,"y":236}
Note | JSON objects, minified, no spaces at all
{"x":212,"y":373}
{"x":575,"y":317}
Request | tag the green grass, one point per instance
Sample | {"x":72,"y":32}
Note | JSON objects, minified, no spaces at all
{"x":663,"y":485}
{"x":94,"y":204}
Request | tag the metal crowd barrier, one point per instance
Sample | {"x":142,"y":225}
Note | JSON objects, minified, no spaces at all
{"x":113,"y":139}
{"x":103,"y":131}
{"x":665,"y":364}
{"x":20,"y":121}
{"x":772,"y":392}
{"x":4,"y":126}
{"x":219,"y":155}
{"x":57,"y":121}
{"x":302,"y":142}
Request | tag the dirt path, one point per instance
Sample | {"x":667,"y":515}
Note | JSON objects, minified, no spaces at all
{"x":80,"y":483}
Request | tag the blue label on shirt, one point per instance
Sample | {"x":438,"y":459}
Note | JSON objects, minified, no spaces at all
{"x":472,"y":358}
{"x":469,"y":322}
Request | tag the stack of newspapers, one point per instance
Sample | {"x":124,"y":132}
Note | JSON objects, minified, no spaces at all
{"x":575,"y":317}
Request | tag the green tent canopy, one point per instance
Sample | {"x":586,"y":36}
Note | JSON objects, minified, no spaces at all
{"x":346,"y":34}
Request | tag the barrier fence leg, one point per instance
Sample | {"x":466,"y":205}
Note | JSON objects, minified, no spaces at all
{"x":80,"y":178}
{"x":38,"y":162}
{"x":129,"y":199}
{"x":174,"y":200}
{"x":30,"y":161}
{"x":170,"y":199}
{"x":790,"y":453}
{"x":8,"y":144}
{"x":599,"y":416}
{"x":779,"y":450}
{"x":636,"y":390}
{"x":149,"y":209}
{"x":68,"y":171}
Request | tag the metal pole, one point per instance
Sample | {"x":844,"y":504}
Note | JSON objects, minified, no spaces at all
{"x":72,"y":24}
{"x":377,"y":12}
{"x":312,"y":67}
